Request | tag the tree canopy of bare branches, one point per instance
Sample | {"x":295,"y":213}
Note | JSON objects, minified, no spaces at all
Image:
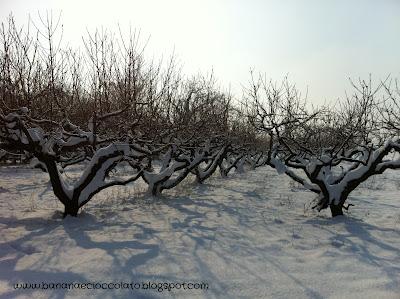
{"x":107,"y":106}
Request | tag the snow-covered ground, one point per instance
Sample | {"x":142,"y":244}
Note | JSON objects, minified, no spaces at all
{"x":251,"y":235}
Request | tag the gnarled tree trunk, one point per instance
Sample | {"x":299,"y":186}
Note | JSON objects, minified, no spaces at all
{"x":71,"y":209}
{"x":336,"y":210}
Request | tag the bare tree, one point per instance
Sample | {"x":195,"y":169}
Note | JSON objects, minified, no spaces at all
{"x":332,"y":152}
{"x":19,"y":131}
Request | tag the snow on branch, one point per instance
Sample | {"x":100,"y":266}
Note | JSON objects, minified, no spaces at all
{"x":48,"y":149}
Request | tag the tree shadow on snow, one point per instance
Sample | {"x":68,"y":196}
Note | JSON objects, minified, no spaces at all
{"x":359,"y":240}
{"x":13,"y":251}
{"x":205,"y":233}
{"x":79,"y":230}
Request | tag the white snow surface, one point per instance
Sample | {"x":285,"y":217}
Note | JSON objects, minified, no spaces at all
{"x":250,"y":235}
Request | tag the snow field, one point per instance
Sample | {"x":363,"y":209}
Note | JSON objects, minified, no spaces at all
{"x":250,"y":235}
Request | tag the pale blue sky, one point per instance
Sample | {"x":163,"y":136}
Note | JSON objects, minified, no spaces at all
{"x":319,"y":43}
